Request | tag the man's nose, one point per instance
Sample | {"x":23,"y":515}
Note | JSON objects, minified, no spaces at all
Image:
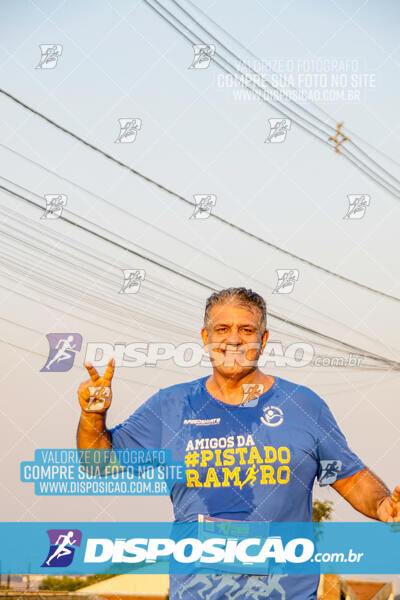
{"x":234,"y":337}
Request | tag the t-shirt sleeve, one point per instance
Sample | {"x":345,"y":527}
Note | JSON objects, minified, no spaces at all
{"x":335,"y":459}
{"x":142,"y":429}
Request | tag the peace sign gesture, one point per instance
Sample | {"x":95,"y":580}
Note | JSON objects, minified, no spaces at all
{"x":95,"y":393}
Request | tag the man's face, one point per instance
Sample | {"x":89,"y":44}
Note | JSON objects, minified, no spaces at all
{"x":233,"y":339}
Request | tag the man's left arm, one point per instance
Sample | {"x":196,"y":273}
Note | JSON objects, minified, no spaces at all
{"x":370,"y":496}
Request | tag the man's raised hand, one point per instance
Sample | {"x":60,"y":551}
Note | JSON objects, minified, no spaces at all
{"x":95,"y":393}
{"x":389,"y":508}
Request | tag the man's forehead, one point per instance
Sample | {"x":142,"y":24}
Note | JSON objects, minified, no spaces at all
{"x":229,"y":313}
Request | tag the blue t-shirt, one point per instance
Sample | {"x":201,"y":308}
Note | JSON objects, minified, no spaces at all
{"x":256,"y":461}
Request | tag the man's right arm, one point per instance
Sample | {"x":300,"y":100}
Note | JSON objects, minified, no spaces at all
{"x":92,"y":432}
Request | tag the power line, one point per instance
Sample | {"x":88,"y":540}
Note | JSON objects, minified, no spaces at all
{"x":344,"y":151}
{"x":141,"y":220}
{"x":139,"y":254}
{"x":123,"y":306}
{"x":126,"y":212}
{"x":69,"y":290}
{"x":105,"y":239}
{"x":104,"y":259}
{"x":345,"y":129}
{"x":107,"y":306}
{"x":367,"y":354}
{"x":276,"y":89}
{"x":186,"y":201}
{"x":30,"y":298}
{"x":67,"y":287}
{"x":93,"y":300}
{"x":270,"y":85}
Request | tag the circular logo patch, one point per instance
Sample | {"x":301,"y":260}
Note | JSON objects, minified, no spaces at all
{"x":273,"y":416}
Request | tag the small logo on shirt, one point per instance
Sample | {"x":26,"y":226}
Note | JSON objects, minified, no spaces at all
{"x":202,"y":421}
{"x":273,"y":416}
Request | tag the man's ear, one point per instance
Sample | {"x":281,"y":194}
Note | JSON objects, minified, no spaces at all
{"x":264,"y":340}
{"x":204,"y":336}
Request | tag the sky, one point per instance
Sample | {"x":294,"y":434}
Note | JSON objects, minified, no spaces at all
{"x":200,"y":134}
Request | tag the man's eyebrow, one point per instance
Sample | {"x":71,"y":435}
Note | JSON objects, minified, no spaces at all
{"x":222,"y":324}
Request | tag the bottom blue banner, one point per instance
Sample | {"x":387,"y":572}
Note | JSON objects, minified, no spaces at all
{"x":213,"y":546}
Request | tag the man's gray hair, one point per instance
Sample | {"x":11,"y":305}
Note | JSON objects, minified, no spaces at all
{"x":240,"y":296}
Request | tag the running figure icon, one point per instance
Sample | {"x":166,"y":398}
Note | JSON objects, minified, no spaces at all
{"x":62,"y":549}
{"x":62,"y":354}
